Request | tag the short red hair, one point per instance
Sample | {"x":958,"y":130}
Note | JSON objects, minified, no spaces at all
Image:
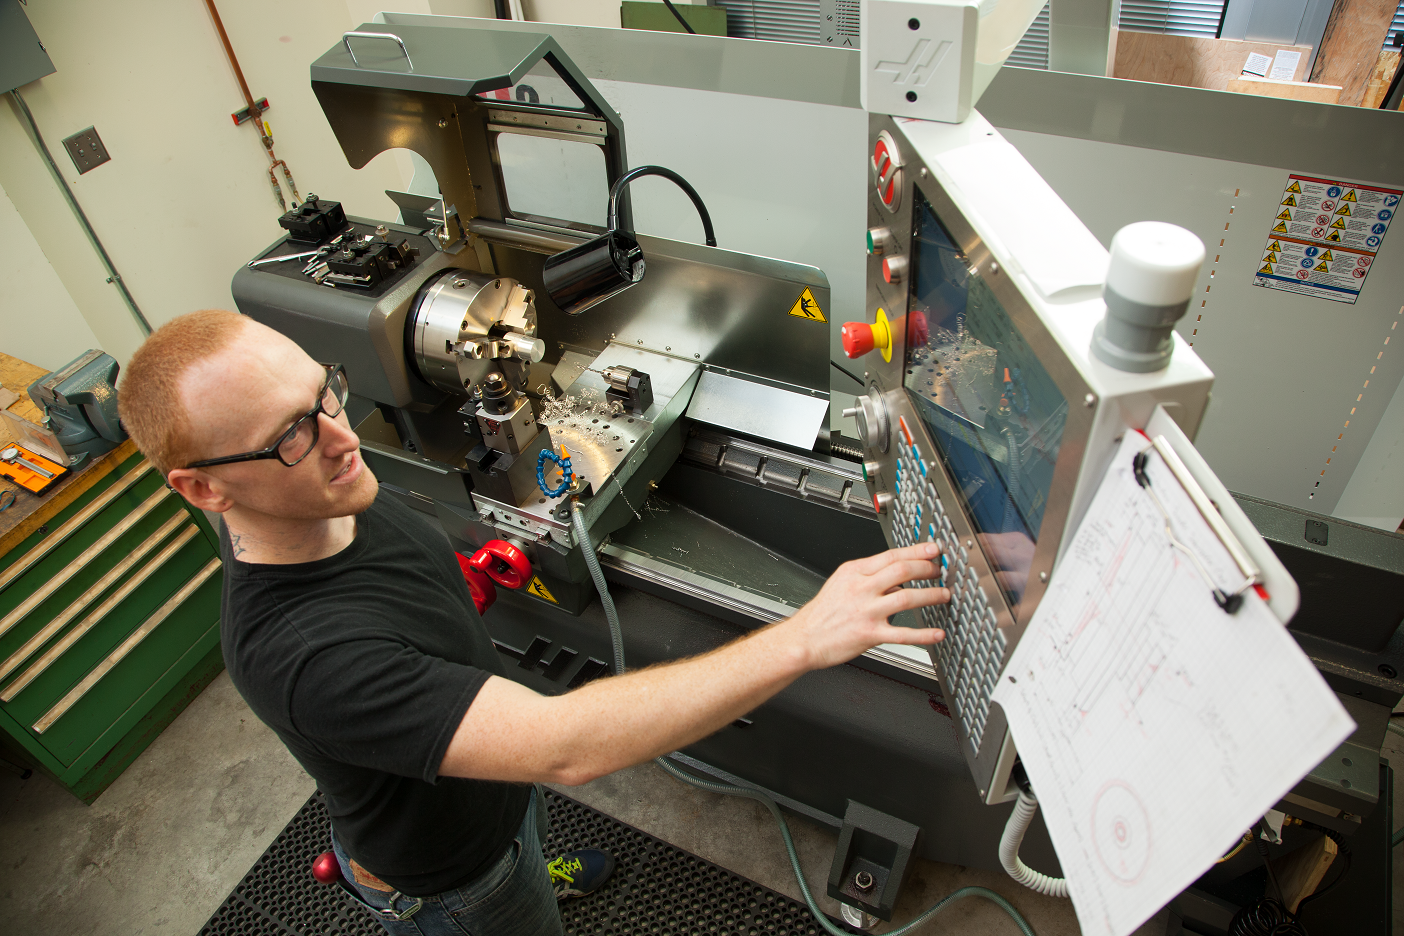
{"x":148,"y":397}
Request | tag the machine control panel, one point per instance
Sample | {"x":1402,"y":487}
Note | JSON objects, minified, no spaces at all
{"x":973,"y":653}
{"x":963,"y":425}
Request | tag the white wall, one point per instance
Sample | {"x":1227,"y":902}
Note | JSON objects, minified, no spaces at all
{"x":39,"y":321}
{"x":186,"y":197}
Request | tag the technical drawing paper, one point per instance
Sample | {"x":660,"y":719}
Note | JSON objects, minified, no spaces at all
{"x":1153,"y":726}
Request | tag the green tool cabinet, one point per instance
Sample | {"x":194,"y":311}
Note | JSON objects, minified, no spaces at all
{"x":109,"y":626}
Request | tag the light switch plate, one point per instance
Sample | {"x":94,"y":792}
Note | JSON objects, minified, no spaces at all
{"x":86,"y":150}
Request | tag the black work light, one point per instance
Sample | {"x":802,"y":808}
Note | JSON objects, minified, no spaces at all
{"x":583,"y":276}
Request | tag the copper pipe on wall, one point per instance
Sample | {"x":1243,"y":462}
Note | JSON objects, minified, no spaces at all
{"x":233,"y":59}
{"x":256,"y":115}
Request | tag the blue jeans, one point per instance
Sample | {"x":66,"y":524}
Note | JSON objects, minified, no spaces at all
{"x":512,"y":898}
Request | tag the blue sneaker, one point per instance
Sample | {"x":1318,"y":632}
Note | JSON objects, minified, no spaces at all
{"x":578,"y":873}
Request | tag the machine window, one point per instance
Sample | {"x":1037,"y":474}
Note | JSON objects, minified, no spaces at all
{"x":553,"y":179}
{"x":542,"y":85}
{"x":994,"y":413}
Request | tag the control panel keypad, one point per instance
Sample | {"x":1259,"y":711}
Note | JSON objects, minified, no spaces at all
{"x":973,"y":651}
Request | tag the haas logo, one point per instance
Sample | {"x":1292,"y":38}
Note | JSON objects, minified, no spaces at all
{"x":921,"y":63}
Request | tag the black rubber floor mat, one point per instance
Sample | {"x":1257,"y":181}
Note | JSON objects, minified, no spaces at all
{"x":656,"y":888}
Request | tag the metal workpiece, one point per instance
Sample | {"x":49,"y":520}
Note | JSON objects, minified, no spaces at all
{"x":469,"y":325}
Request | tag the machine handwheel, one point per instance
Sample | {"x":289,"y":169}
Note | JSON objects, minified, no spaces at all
{"x":504,"y":563}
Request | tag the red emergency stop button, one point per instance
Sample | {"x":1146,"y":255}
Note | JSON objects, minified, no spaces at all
{"x":857,"y":338}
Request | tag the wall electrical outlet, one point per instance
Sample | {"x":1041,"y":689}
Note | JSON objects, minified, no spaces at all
{"x":86,"y":150}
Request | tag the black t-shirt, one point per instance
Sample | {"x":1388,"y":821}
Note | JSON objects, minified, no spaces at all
{"x":364,"y":664}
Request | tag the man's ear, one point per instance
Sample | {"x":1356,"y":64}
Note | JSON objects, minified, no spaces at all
{"x":197,"y":488}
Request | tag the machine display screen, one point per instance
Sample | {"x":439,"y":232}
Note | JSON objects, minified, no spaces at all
{"x":994,"y":413}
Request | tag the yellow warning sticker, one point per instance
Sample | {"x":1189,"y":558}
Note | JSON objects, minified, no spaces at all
{"x":806,"y":307}
{"x":1324,"y":236}
{"x":539,"y":590}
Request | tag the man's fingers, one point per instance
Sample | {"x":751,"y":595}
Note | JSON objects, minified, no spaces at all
{"x":870,"y":565}
{"x":912,"y":636}
{"x":905,"y":571}
{"x":905,"y":599}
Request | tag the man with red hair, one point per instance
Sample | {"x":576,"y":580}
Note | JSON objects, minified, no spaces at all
{"x":348,"y":628}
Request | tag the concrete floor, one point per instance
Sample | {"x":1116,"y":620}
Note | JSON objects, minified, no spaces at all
{"x":158,"y":852}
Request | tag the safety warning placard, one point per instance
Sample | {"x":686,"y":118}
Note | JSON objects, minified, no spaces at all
{"x":807,"y":307}
{"x":1325,"y":237}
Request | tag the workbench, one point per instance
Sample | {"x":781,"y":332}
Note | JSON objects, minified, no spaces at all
{"x":109,"y":611}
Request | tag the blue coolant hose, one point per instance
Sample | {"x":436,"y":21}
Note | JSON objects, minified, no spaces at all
{"x":616,"y":641}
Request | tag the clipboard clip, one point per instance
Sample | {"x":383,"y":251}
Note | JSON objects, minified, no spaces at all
{"x":1228,"y":602}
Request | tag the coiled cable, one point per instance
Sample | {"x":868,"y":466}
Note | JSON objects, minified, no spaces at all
{"x":728,"y":789}
{"x":1009,"y":843}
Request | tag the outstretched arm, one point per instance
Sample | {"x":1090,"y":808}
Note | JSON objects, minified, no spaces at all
{"x":512,"y":733}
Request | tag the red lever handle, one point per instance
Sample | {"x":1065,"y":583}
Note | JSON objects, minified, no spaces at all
{"x":326,"y":869}
{"x":857,"y":338}
{"x":479,"y":585}
{"x":504,"y":563}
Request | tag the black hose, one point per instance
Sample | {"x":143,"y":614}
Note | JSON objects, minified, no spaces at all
{"x":632,"y":174}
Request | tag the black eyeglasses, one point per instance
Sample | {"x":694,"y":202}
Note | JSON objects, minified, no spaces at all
{"x":295,"y":444}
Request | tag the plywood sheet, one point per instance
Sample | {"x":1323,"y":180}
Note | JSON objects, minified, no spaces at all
{"x":17,"y":375}
{"x":1192,"y":61}
{"x":1350,"y":47}
{"x":1378,"y":86}
{"x":1295,"y":90}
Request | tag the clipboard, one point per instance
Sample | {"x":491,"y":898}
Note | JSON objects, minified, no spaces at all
{"x":1125,"y":696}
{"x":1223,"y":515}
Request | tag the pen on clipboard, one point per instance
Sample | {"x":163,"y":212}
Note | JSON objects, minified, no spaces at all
{"x":1229,"y":602}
